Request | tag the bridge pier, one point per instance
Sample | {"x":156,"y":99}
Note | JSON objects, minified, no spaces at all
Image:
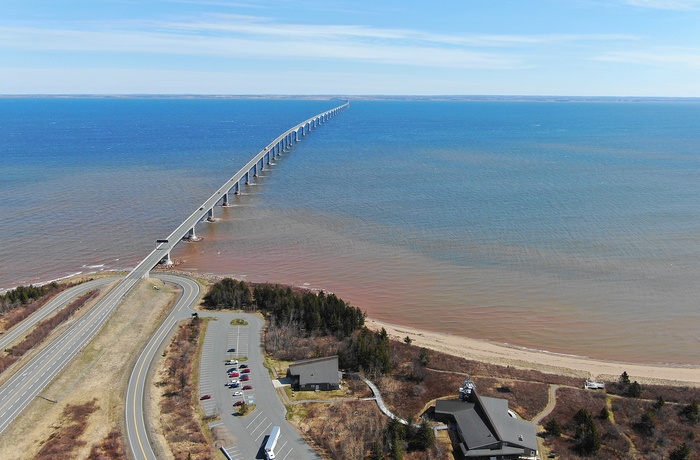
{"x":210,"y":215}
{"x":225,"y":203}
{"x":191,"y":236}
{"x":166,"y":260}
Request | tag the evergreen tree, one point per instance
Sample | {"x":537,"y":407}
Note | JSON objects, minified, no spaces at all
{"x":690,"y":412}
{"x":553,"y":428}
{"x":634,"y":390}
{"x":682,"y":452}
{"x":377,"y":452}
{"x":585,"y":433}
{"x":624,"y":379}
{"x":659,"y":403}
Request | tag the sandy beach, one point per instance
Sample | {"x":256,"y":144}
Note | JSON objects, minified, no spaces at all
{"x":481,"y":350}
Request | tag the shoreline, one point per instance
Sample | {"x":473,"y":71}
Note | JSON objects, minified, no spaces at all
{"x":540,"y":360}
{"x":501,"y":353}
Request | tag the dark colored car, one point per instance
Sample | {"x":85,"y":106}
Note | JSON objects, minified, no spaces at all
{"x":205,"y":397}
{"x":238,"y":403}
{"x":245,"y":371}
{"x":248,"y":387}
{"x":243,"y":366}
{"x":245,"y":378}
{"x":231,"y":350}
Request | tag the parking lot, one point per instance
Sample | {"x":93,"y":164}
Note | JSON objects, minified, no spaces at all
{"x":224,"y":343}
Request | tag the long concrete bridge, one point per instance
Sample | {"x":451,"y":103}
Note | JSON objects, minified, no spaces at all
{"x":19,"y":390}
{"x":245,"y":176}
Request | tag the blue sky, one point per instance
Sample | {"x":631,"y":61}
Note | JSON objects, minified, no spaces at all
{"x":383,"y":47}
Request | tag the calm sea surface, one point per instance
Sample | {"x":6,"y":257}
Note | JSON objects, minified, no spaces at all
{"x":570,"y":227}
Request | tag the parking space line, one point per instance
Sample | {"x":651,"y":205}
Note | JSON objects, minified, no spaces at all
{"x":264,"y":432}
{"x":253,"y":421}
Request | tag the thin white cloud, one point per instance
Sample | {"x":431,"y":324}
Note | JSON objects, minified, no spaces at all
{"x":291,"y":47}
{"x":678,"y":5}
{"x":689,"y":59}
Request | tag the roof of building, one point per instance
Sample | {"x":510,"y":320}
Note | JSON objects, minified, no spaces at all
{"x":485,"y":421}
{"x":316,"y":370}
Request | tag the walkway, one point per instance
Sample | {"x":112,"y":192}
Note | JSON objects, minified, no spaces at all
{"x":549,"y":407}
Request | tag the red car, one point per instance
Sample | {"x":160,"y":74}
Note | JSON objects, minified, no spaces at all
{"x":234,"y":374}
{"x":245,"y":371}
{"x":248,"y":387}
{"x":238,"y":403}
{"x":205,"y":397}
{"x":245,"y":378}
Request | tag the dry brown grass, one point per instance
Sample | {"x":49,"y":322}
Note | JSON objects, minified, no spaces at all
{"x":620,"y":435}
{"x":42,"y":330}
{"x":68,"y":438}
{"x":100,"y":372}
{"x":179,"y":418}
{"x":15,"y":314}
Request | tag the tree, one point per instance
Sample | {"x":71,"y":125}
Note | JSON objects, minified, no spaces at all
{"x":424,"y":357}
{"x":407,"y":340}
{"x":585,"y":433}
{"x":682,"y":452}
{"x":634,"y":390}
{"x":553,"y":428}
{"x":624,"y":379}
{"x":690,"y":412}
{"x":423,"y":438}
{"x":377,"y":451}
{"x":604,"y":413}
{"x":659,"y":403}
{"x":647,"y":423}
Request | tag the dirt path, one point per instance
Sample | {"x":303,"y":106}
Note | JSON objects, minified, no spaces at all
{"x":549,"y":407}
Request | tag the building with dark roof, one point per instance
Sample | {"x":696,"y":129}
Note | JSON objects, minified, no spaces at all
{"x":315,"y":374}
{"x":486,"y":429}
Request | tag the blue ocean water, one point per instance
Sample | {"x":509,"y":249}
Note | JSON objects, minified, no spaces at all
{"x":567,"y":226}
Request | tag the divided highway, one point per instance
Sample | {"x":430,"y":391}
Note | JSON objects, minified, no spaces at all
{"x":27,"y":383}
{"x":51,"y":306}
{"x":36,"y":374}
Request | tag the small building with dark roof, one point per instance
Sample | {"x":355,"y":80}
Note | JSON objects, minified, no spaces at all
{"x":486,"y":429}
{"x":315,"y":374}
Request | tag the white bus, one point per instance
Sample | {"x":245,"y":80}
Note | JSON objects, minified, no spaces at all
{"x":271,"y":443}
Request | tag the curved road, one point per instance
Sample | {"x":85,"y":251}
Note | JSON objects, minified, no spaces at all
{"x":136,"y":429}
{"x":18,"y":392}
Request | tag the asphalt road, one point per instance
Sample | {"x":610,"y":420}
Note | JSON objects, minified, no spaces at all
{"x":61,"y":300}
{"x":35,"y":375}
{"x":136,"y":428}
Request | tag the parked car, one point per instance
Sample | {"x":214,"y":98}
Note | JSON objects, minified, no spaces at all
{"x":245,"y":378}
{"x":234,"y":374}
{"x":248,"y":387}
{"x":205,"y":397}
{"x":243,"y":366}
{"x":237,"y":393}
{"x":231,"y":350}
{"x":239,"y":403}
{"x":245,"y":371}
{"x":234,"y":385}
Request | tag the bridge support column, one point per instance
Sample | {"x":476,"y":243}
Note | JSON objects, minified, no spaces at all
{"x":210,"y":215}
{"x":225,"y":203}
{"x":166,"y":260}
{"x":191,"y":235}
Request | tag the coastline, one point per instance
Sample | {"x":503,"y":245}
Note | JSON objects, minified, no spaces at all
{"x":553,"y":363}
{"x":500,"y":353}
